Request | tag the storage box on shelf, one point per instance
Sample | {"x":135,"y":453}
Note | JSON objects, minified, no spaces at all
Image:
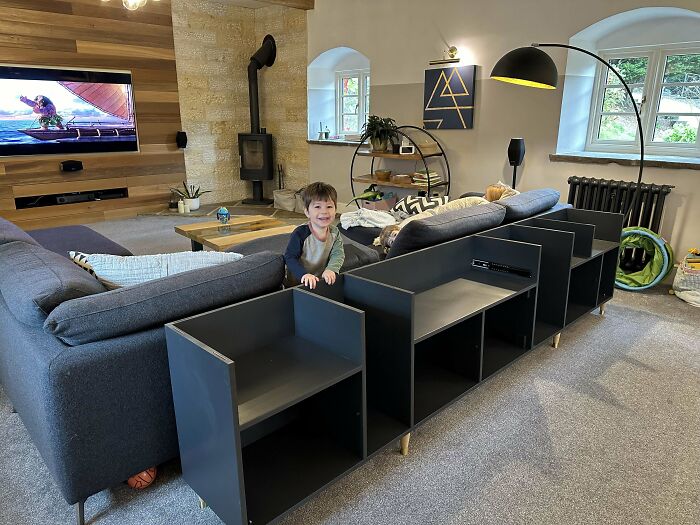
{"x":255,"y":407}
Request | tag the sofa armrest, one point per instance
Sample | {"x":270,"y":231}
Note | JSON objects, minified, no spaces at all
{"x":109,"y":412}
{"x":148,"y":305}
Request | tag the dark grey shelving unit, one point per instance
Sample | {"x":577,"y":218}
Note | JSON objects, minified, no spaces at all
{"x":430,"y":324}
{"x":595,"y":252}
{"x":268,"y":413}
{"x":254,"y":407}
{"x":553,"y":289}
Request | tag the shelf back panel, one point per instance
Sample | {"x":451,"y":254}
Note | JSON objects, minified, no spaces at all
{"x":329,"y":324}
{"x":431,"y":267}
{"x":584,"y":233}
{"x":608,"y":225}
{"x":228,"y":330}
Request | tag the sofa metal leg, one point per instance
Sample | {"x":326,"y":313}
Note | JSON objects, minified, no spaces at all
{"x":404,"y":444}
{"x":12,"y":409}
{"x":80,"y":512}
{"x":555,"y":340}
{"x":202,"y":504}
{"x":602,"y":308}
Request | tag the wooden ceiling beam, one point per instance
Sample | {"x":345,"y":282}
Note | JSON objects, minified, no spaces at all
{"x":296,"y":4}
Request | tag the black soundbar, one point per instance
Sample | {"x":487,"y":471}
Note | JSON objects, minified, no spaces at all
{"x":502,"y":268}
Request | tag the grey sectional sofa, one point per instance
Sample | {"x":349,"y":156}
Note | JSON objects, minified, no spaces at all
{"x":86,"y":369}
{"x":455,"y":224}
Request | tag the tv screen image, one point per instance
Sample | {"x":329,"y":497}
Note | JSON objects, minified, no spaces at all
{"x":45,"y":110}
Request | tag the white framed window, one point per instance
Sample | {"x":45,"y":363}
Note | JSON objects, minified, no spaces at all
{"x":352,"y":101}
{"x":666,"y":81}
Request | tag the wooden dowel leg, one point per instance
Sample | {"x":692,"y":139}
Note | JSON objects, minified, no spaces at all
{"x":202,"y":504}
{"x":555,"y":340}
{"x":602,"y":308}
{"x":404,"y":444}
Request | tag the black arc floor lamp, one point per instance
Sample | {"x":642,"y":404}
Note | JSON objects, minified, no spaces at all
{"x":532,"y":67}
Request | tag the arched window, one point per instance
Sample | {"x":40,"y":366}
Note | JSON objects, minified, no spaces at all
{"x":657,"y":52}
{"x":338,"y":93}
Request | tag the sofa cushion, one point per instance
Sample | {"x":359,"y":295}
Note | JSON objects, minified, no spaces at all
{"x":116,"y":271}
{"x":78,"y":238}
{"x":134,"y":308}
{"x":355,"y":256}
{"x":529,"y":203}
{"x":10,"y":232}
{"x":446,"y":227}
{"x":34,"y":281}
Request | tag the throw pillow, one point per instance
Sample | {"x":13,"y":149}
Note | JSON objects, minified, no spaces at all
{"x":413,"y":204}
{"x":116,"y":271}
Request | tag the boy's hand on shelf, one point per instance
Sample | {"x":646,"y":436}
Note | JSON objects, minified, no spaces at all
{"x":328,"y":276}
{"x":310,"y":280}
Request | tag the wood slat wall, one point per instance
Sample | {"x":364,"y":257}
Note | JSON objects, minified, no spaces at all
{"x":98,"y":35}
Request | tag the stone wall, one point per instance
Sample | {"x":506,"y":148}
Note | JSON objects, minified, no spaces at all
{"x":214,"y":41}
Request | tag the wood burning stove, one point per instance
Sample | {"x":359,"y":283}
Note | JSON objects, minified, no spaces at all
{"x":255,"y":148}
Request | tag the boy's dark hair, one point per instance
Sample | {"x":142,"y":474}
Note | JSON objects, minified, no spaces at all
{"x":319,"y":191}
{"x":45,"y":101}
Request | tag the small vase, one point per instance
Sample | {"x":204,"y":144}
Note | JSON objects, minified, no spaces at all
{"x":194,"y":203}
{"x":378,"y":144}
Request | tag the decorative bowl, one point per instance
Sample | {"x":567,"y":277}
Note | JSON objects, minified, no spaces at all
{"x":384,"y":175}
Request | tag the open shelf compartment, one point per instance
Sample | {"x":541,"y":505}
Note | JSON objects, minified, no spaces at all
{"x":268,"y":417}
{"x":508,"y":332}
{"x":552,"y":290}
{"x":583,"y":289}
{"x":446,"y":366}
{"x":444,"y":291}
{"x":456,"y":280}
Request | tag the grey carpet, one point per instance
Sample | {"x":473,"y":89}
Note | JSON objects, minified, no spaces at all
{"x":605,"y":429}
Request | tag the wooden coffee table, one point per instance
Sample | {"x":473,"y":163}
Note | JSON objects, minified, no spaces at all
{"x":220,"y":237}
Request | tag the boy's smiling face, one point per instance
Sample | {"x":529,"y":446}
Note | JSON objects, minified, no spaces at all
{"x":321,"y":213}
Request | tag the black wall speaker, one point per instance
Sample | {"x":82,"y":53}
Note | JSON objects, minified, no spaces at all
{"x":71,"y":165}
{"x":516,"y":152}
{"x":181,"y":139}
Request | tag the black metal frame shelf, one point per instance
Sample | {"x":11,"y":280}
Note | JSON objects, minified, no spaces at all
{"x":362,"y":151}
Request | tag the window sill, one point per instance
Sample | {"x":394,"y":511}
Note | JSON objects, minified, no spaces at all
{"x":333,"y":142}
{"x":650,"y":161}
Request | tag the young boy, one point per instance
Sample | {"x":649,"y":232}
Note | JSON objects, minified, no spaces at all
{"x":315,"y":250}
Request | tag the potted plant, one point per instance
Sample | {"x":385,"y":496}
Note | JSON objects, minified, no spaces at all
{"x":190,"y":194}
{"x":379,"y":131}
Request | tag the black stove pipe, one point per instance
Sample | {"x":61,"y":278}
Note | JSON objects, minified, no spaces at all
{"x":265,"y":56}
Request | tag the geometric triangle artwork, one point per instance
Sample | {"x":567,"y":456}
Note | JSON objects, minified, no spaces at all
{"x":448,"y":98}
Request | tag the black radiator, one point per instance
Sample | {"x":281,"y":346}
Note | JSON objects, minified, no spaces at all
{"x":616,"y":196}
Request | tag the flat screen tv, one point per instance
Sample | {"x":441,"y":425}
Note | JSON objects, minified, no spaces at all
{"x":65,"y":111}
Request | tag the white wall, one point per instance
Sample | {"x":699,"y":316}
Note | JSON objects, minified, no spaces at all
{"x":400,"y":37}
{"x":321,"y":85}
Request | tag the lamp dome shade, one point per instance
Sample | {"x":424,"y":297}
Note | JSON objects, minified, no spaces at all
{"x":527,"y":66}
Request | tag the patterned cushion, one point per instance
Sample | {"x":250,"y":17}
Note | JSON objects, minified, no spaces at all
{"x":413,"y":204}
{"x":115,"y":271}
